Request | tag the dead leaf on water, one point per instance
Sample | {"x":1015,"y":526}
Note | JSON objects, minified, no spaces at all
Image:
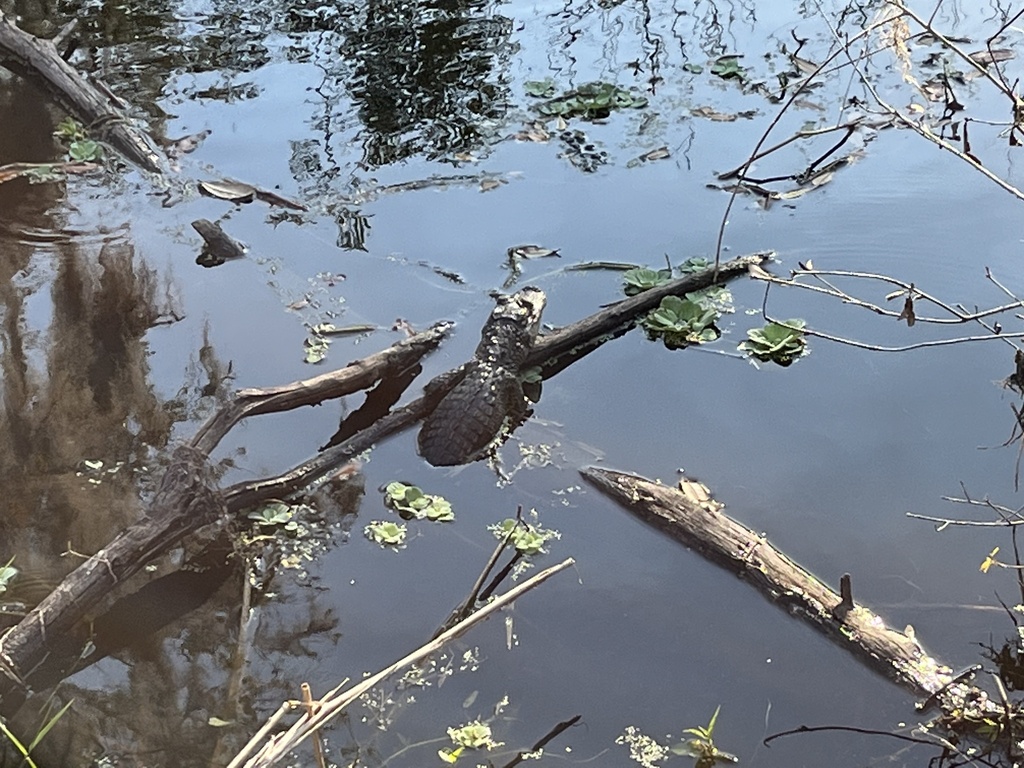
{"x":232,"y":191}
{"x":908,"y":312}
{"x":793,"y":194}
{"x":486,"y":185}
{"x":531,"y":252}
{"x":986,"y":57}
{"x":822,"y":178}
{"x":756,"y":272}
{"x":535,"y":132}
{"x":272,"y":198}
{"x":186,"y":144}
{"x":806,"y":67}
{"x":722,"y":117}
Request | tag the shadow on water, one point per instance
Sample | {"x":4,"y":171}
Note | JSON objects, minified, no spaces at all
{"x":406,"y":129}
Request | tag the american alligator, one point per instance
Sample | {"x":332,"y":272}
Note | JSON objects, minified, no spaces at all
{"x":489,"y":395}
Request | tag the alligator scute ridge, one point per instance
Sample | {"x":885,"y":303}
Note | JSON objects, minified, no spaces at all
{"x":489,"y":395}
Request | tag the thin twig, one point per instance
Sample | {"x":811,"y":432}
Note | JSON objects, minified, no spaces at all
{"x":764,"y":137}
{"x":331,"y":706}
{"x":920,"y":128}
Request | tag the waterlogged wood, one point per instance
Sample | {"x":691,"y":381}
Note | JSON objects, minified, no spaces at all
{"x":188,"y":500}
{"x":688,"y":514}
{"x":358,"y":375}
{"x":218,"y":243}
{"x":38,"y":60}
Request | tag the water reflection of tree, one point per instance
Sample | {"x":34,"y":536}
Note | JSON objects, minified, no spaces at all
{"x":427,"y":76}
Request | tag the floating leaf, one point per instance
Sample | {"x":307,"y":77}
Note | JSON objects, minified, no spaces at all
{"x":526,"y":538}
{"x":316,"y":349}
{"x":474,"y":735}
{"x":592,"y":101}
{"x":386,"y":533}
{"x":639,"y":279}
{"x":7,"y":574}
{"x":728,"y":67}
{"x":544,"y":89}
{"x":776,"y":342}
{"x":984,"y":58}
{"x":186,"y":144}
{"x":85,"y":151}
{"x":275,"y":513}
{"x":681,"y":322}
{"x":410,"y":502}
{"x":69,"y":130}
{"x":232,"y":191}
{"x":450,"y":756}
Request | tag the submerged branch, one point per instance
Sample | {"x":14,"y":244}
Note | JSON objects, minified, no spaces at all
{"x":331,"y":706}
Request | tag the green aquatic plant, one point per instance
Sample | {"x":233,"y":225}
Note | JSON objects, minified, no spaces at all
{"x":273,"y":514}
{"x":680,"y":323}
{"x":641,"y":279}
{"x":591,"y":101}
{"x":528,"y":539}
{"x":411,"y":503}
{"x":702,"y":745}
{"x":779,"y":343}
{"x":729,"y":68}
{"x":386,"y":533}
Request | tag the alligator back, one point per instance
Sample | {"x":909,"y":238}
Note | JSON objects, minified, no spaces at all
{"x":489,"y":396}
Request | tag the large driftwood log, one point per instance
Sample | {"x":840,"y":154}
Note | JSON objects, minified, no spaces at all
{"x":39,"y":61}
{"x":690,"y":515}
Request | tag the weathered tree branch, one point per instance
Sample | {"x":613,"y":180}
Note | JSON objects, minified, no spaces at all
{"x":38,"y":60}
{"x":688,"y":514}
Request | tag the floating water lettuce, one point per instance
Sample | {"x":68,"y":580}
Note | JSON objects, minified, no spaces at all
{"x":411,"y":503}
{"x":681,"y":322}
{"x":386,"y":533}
{"x":776,"y":342}
{"x":592,"y":101}
{"x":642,"y":279}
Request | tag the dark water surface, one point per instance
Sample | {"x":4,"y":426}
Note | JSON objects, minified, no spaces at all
{"x":330,"y":104}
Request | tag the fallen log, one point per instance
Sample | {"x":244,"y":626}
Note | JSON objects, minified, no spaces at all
{"x":187,"y":501}
{"x":38,"y":60}
{"x":690,"y":515}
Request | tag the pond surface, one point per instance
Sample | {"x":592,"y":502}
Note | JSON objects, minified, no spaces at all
{"x":117,"y":345}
